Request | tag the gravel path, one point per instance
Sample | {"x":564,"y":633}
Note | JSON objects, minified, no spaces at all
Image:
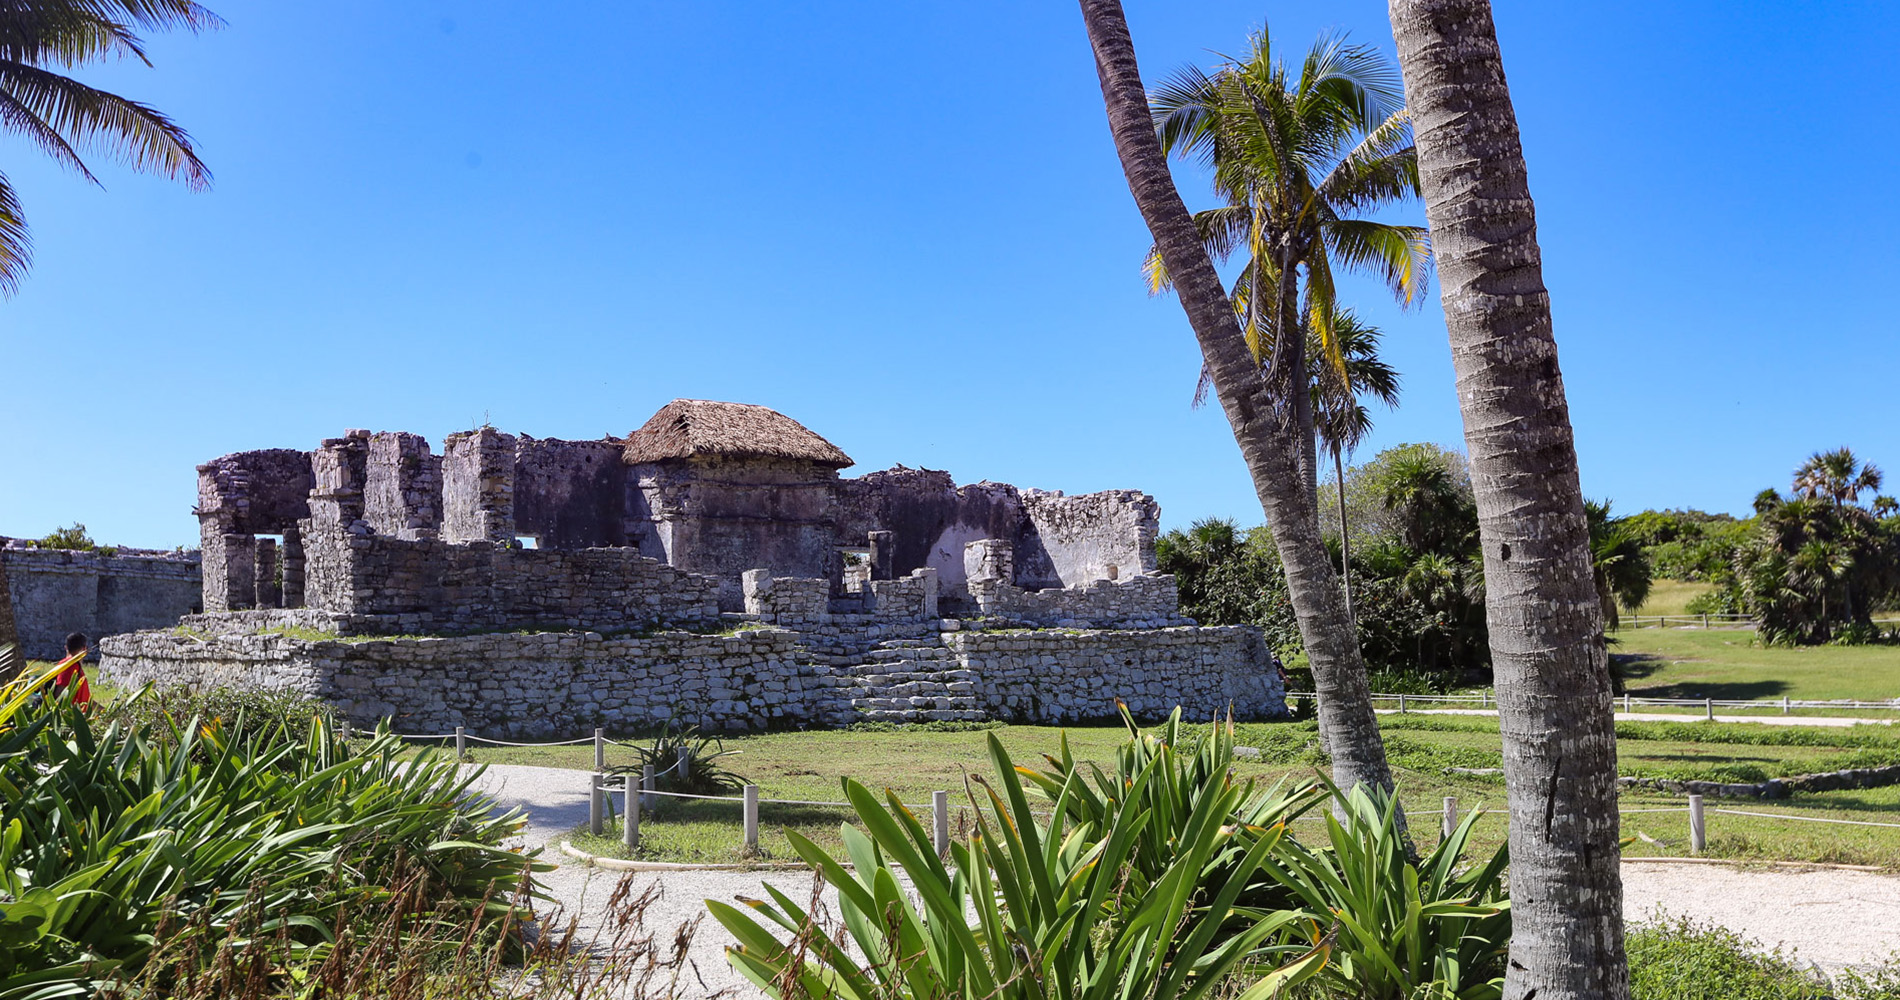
{"x":1766,"y":720}
{"x":1833,"y":918}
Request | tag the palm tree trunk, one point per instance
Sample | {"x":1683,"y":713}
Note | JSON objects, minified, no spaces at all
{"x":1553,"y":682}
{"x":1265,"y":432}
{"x":1345,"y":543}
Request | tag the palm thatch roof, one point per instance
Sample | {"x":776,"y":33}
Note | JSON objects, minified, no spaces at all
{"x":702,"y":428}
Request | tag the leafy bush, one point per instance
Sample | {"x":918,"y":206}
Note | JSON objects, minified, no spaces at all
{"x":240,"y":713}
{"x":1682,"y":960}
{"x":703,"y":773}
{"x":1389,"y":927}
{"x":1065,"y":906}
{"x":118,"y":838}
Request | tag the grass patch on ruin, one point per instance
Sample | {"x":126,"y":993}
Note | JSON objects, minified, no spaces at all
{"x":914,"y":761}
{"x":1728,"y":664}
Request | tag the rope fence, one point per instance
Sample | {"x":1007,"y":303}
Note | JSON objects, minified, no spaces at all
{"x":1488,"y":701}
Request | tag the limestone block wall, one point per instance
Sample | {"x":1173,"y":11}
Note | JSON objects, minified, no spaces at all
{"x":503,"y":686}
{"x":60,"y":591}
{"x":1056,"y":677}
{"x":430,"y":585}
{"x":910,"y":599}
{"x":1078,"y":539}
{"x":1151,"y":601}
{"x":786,"y":600}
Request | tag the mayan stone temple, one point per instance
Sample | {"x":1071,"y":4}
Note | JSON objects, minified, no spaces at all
{"x":711,"y":568}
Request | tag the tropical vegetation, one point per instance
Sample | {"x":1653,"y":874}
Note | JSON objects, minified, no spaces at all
{"x":153,"y":836}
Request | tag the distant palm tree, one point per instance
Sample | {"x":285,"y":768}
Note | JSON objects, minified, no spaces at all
{"x":1621,"y":564}
{"x":1836,"y":475}
{"x":1301,"y":158}
{"x":62,"y":116}
{"x":1341,"y":419}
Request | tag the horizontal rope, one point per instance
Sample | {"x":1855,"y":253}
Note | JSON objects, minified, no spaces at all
{"x":1668,"y":809}
{"x":1804,"y":819}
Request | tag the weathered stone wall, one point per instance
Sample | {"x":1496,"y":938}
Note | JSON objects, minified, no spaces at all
{"x":405,"y":586}
{"x":1058,"y":677}
{"x":1078,"y":539}
{"x":912,"y":598}
{"x":786,"y":600}
{"x":526,"y":686}
{"x":570,"y":494}
{"x":723,"y":517}
{"x":504,"y":686}
{"x":1151,"y":601}
{"x":478,"y":486}
{"x":929,"y":516}
{"x":59,"y":591}
{"x":241,"y":496}
{"x":402,"y":493}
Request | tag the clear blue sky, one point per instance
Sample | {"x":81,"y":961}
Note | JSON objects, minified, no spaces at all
{"x":902,"y":224}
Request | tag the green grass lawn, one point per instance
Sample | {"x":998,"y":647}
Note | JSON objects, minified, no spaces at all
{"x":914,"y":762}
{"x":1723,"y":663}
{"x":1671,"y":597}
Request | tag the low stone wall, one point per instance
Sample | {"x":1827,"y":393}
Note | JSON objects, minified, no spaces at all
{"x":1775,"y":788}
{"x":1151,"y":601}
{"x":538,"y":685}
{"x":59,"y":591}
{"x":506,"y":685}
{"x":1056,"y":677}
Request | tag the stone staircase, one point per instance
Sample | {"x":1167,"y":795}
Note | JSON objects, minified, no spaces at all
{"x":913,"y":680}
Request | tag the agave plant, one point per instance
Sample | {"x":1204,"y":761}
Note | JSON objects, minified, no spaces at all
{"x":1029,"y":907}
{"x":1390,"y":927}
{"x":702,"y":773}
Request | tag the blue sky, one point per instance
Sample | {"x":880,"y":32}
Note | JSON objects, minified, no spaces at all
{"x":904,"y":225}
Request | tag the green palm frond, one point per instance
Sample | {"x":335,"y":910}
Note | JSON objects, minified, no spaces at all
{"x":1398,"y":255}
{"x":136,"y":133}
{"x":16,"y":244}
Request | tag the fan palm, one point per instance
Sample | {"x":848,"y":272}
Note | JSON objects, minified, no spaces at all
{"x":1621,"y":564}
{"x":62,"y":116}
{"x":1836,"y":475}
{"x":1300,"y":159}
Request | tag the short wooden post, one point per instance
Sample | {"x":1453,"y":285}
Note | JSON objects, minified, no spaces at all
{"x":1626,"y":703}
{"x":1450,"y":821}
{"x":646,"y":783}
{"x":752,"y":819}
{"x":1401,"y":704}
{"x":593,"y":805}
{"x":940,"y":816}
{"x":600,"y":750}
{"x":1784,"y":704}
{"x":344,"y":730}
{"x":1708,"y":705}
{"x":1481,"y":697}
{"x":461,"y":743}
{"x":679,"y":768}
{"x":1705,"y":619}
{"x":1698,"y":831}
{"x":630,"y":833}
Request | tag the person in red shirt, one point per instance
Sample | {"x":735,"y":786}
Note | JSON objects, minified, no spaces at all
{"x":74,"y":675}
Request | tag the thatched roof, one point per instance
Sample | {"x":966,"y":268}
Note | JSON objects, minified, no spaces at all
{"x":702,"y":428}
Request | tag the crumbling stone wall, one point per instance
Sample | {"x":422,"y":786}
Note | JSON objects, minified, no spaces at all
{"x":723,"y":517}
{"x":1152,"y":601}
{"x":786,"y":600}
{"x":1062,"y":677}
{"x":402,"y":486}
{"x":570,"y":494}
{"x":242,"y":496}
{"x":58,"y":591}
{"x":478,"y":486}
{"x":1095,"y":536}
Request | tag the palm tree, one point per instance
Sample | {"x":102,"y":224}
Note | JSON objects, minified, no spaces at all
{"x":1300,"y":160}
{"x":1261,"y":411}
{"x":1341,"y":419}
{"x":1836,"y":475}
{"x":1546,"y":623}
{"x":1620,"y":562}
{"x":62,"y":116}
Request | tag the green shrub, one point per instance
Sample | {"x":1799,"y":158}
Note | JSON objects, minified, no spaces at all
{"x":703,"y":773}
{"x":141,"y":831}
{"x":1682,"y":960}
{"x":161,"y":714}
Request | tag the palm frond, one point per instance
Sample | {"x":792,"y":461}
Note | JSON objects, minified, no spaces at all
{"x":136,"y":133}
{"x":1399,"y":255}
{"x":16,"y":244}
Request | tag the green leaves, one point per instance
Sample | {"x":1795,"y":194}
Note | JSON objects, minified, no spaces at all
{"x":110,"y":834}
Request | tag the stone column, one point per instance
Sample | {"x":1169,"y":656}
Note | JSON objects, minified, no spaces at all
{"x":269,"y":593}
{"x":478,"y":487}
{"x":237,"y":559}
{"x":402,"y":486}
{"x":292,"y":596}
{"x":883,"y":555}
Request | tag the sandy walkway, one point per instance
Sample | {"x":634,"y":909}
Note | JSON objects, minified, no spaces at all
{"x":1766,"y":720}
{"x":1833,"y":918}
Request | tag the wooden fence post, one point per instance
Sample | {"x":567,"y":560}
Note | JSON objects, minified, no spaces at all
{"x":1401,"y":704}
{"x":600,"y":750}
{"x":752,"y":819}
{"x":1450,"y":822}
{"x":1698,"y":830}
{"x":940,"y":815}
{"x":1626,"y":703}
{"x":1709,"y":705}
{"x":1784,"y":704}
{"x":461,"y":743}
{"x":646,"y":784}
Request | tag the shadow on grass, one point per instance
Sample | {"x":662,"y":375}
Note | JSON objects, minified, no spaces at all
{"x":1633,"y":668}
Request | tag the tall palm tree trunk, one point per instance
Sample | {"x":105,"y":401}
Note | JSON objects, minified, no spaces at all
{"x":1553,"y":684}
{"x":1265,"y":432}
{"x":1345,"y":543}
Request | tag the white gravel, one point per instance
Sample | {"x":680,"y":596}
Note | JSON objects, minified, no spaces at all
{"x":1831,"y":918}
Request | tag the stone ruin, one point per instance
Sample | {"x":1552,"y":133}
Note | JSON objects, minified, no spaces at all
{"x":712,"y":567}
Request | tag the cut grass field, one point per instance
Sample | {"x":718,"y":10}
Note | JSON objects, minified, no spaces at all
{"x":914,"y":762}
{"x":1728,"y":664}
{"x":1671,"y":597}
